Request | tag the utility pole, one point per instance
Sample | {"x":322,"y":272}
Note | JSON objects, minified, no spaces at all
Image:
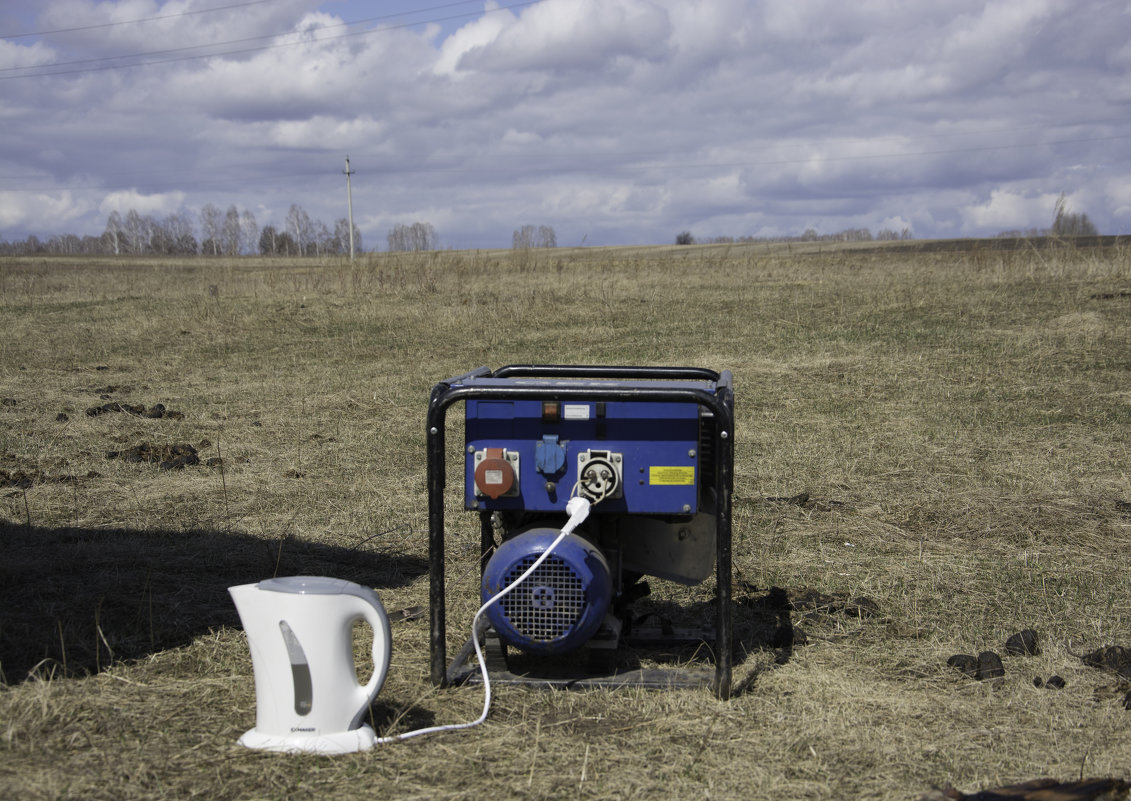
{"x":349,"y":197}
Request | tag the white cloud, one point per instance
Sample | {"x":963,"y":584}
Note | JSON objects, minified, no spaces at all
{"x":471,"y":37}
{"x":575,"y":35}
{"x":124,"y":200}
{"x":1007,"y":210}
{"x":19,"y":209}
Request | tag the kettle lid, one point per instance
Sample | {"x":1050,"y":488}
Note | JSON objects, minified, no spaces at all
{"x":314,"y":585}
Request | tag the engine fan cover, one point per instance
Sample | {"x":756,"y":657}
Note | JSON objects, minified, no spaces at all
{"x":561,"y":604}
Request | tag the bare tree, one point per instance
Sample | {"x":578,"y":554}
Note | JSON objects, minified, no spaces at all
{"x":113,"y":233}
{"x":322,"y":241}
{"x":530,"y":237}
{"x":249,"y":232}
{"x":178,"y":231}
{"x":1067,"y":223}
{"x":211,"y":222}
{"x":230,"y":232}
{"x":523,"y":238}
{"x":269,"y":241}
{"x":137,"y":230}
{"x":416,"y":237}
{"x":301,"y":229}
{"x":342,"y":236}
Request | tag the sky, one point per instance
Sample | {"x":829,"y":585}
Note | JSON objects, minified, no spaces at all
{"x":612,"y":121}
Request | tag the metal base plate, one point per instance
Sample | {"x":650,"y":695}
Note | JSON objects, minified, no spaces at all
{"x":516,"y":669}
{"x":644,"y":678}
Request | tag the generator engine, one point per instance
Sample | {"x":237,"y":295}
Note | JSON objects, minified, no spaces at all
{"x":650,"y":448}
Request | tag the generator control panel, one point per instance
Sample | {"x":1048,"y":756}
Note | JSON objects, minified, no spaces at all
{"x":634,"y":457}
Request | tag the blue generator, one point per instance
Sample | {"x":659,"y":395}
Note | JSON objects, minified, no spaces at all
{"x":651,"y":448}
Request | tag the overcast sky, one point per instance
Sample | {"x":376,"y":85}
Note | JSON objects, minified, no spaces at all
{"x":614,"y":121}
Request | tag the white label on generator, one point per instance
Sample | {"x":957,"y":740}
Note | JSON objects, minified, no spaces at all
{"x":493,"y":476}
{"x":576,"y":411}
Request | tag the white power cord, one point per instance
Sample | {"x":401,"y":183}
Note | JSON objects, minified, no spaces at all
{"x":578,"y":509}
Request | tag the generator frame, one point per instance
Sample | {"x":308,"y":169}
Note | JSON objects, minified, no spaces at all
{"x":549,"y":382}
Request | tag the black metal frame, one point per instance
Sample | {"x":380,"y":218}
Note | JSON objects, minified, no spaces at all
{"x":461,"y":388}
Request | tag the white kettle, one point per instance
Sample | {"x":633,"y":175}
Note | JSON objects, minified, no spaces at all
{"x":300,"y":631}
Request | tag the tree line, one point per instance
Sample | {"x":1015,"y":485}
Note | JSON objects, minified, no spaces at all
{"x":212,"y":232}
{"x":810,"y":235}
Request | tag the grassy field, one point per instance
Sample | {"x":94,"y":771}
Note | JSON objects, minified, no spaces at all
{"x":960,"y":421}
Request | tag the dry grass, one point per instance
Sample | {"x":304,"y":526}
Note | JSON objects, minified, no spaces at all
{"x":960,"y":421}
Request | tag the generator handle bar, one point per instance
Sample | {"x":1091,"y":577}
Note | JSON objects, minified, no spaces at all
{"x":720,"y":403}
{"x":603,"y":371}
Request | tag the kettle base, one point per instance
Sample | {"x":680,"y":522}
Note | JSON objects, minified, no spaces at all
{"x":345,"y":742}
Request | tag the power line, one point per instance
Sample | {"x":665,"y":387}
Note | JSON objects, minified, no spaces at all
{"x":132,"y":21}
{"x":43,"y":68}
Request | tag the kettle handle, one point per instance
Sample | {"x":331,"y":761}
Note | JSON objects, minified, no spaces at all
{"x":371,"y":610}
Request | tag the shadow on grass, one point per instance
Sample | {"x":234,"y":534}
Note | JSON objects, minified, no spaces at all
{"x":762,"y":623}
{"x":73,"y":601}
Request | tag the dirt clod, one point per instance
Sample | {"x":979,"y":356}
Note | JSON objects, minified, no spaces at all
{"x":1115,"y":658}
{"x":965,"y":662}
{"x":989,"y":666}
{"x":1023,"y":643}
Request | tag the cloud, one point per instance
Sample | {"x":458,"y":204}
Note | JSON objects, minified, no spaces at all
{"x":574,"y":35}
{"x":123,"y":200}
{"x":18,"y":209}
{"x":1010,"y":210}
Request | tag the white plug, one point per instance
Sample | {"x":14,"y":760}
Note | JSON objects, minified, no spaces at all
{"x":578,"y":509}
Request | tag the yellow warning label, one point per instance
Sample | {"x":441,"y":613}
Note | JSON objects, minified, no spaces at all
{"x":671,"y":475}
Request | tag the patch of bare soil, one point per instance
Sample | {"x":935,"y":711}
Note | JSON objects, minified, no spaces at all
{"x":26,"y":479}
{"x":168,"y":457}
{"x":1041,"y":790}
{"x":155,"y":412}
{"x":1115,"y":658}
{"x":808,"y":601}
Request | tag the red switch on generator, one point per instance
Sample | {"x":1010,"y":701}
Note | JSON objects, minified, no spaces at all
{"x":495,"y":472}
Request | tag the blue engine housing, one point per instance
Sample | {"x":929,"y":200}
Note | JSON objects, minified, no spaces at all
{"x":561,"y":604}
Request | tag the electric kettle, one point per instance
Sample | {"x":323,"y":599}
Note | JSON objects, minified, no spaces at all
{"x":300,"y":632}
